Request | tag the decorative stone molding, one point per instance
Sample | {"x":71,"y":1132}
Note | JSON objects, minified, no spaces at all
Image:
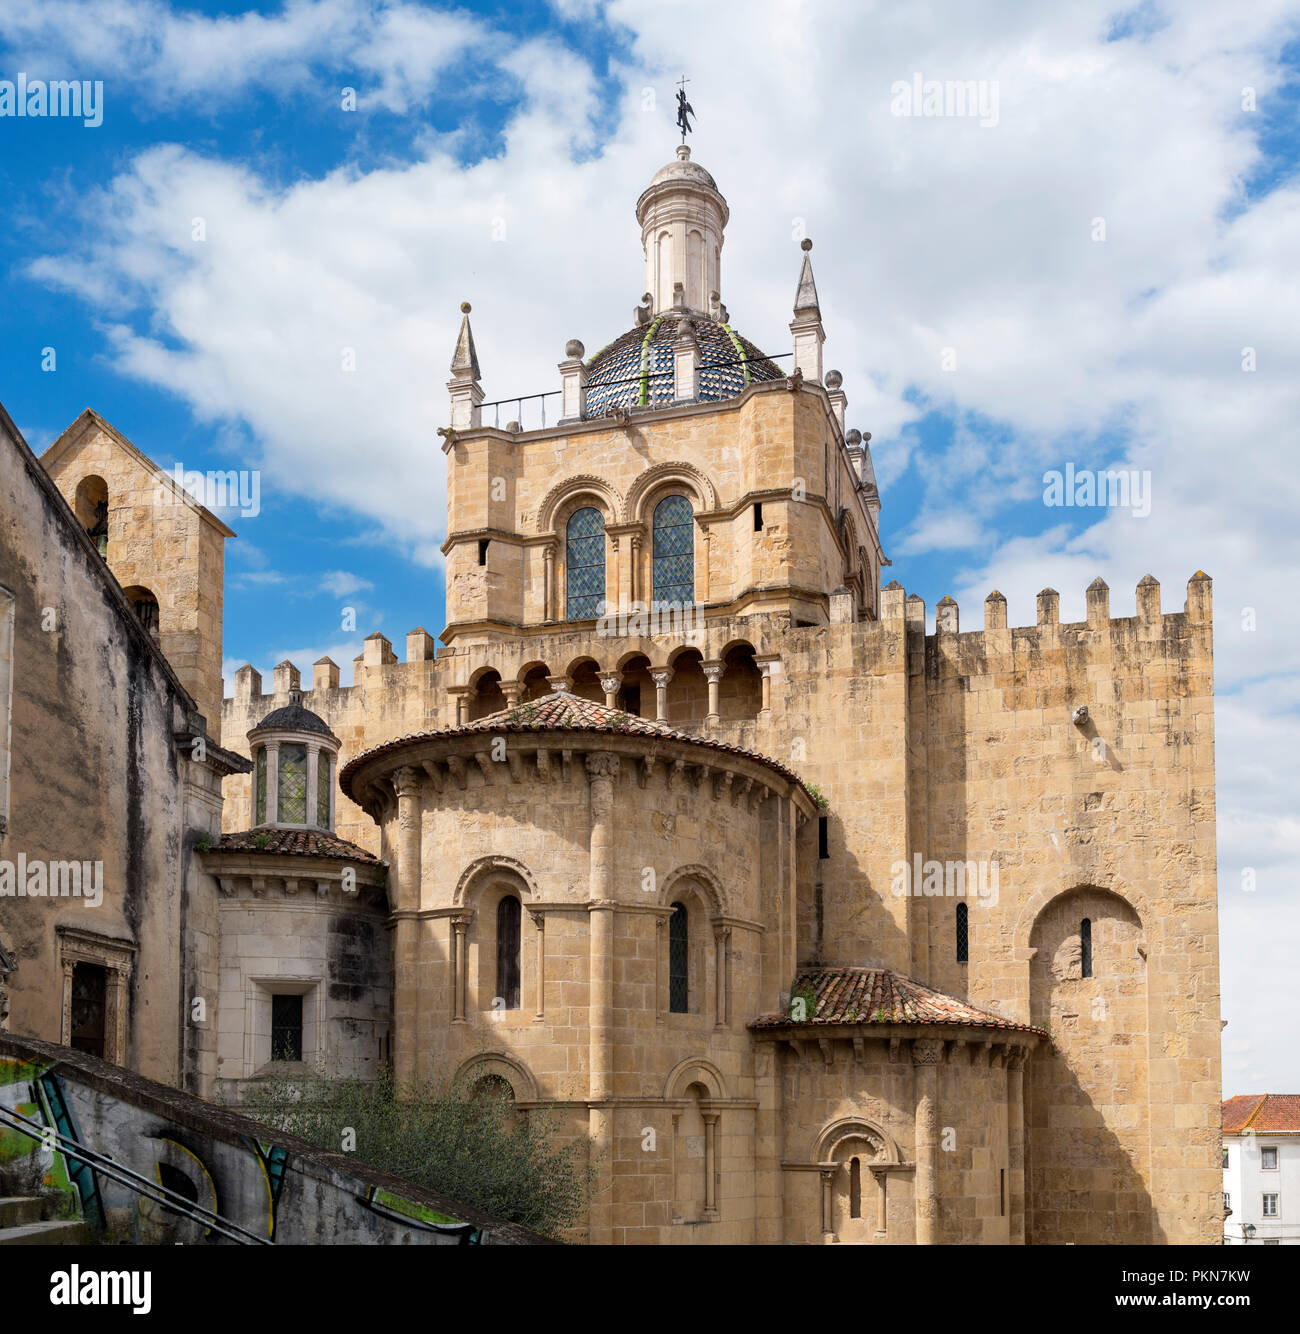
{"x":664,"y":474}
{"x":484,"y":867}
{"x":927,"y":1051}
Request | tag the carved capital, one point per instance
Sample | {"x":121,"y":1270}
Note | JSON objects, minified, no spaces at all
{"x":927,"y":1051}
{"x":661,"y":676}
{"x":601,"y":764}
{"x":713,"y":670}
{"x":406,"y":781}
{"x":611,"y":683}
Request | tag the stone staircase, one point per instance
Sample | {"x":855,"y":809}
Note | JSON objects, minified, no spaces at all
{"x":23,"y":1222}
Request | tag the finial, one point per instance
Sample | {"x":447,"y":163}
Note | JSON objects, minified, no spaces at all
{"x":684,"y":110}
{"x":464,"y":307}
{"x":806,"y":243}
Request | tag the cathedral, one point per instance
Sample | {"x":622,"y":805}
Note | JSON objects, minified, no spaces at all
{"x":818,"y":927}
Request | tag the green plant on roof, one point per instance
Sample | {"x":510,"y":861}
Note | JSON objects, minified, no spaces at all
{"x":262,"y":840}
{"x":204,"y":842}
{"x":816,"y":794}
{"x":803,"y":1001}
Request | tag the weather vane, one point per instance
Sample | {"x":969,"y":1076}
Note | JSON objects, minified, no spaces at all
{"x":684,"y":109}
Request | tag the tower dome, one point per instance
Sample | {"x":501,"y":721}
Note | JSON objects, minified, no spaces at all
{"x":636,"y":369}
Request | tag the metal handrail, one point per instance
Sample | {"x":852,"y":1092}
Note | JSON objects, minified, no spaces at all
{"x":132,"y":1180}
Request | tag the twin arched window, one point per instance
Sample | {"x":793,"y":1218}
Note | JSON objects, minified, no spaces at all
{"x":584,"y":565}
{"x":672,"y":558}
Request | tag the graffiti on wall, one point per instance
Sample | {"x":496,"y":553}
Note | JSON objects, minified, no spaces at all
{"x":218,"y":1188}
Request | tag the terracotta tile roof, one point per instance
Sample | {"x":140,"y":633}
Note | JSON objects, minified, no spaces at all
{"x":1264,"y":1113}
{"x":294,"y":843}
{"x":562,"y":711}
{"x":881,"y":996}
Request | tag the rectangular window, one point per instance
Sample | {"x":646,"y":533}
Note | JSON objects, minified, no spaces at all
{"x":963,"y":933}
{"x":259,"y":801}
{"x":1002,"y":1191}
{"x":89,"y":1009}
{"x":1270,"y":1206}
{"x":758,"y":518}
{"x":823,"y":838}
{"x":293,"y":783}
{"x":1225,"y":1157}
{"x":1227,"y":1201}
{"x":1268,"y":1158}
{"x":482,"y":550}
{"x":286,"y":1028}
{"x":323,"y":790}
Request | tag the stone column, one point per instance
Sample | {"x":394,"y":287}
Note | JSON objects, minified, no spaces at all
{"x":406,"y":945}
{"x":539,"y":921}
{"x":882,"y":1201}
{"x":461,"y":695}
{"x":610,"y":683}
{"x":602,"y":769}
{"x":459,"y":966}
{"x":661,"y":676}
{"x":634,"y":573}
{"x":272,"y":782}
{"x":713,"y":675}
{"x":710,"y":1163}
{"x":767,"y":665}
{"x":313,"y":781}
{"x":828,"y":1202}
{"x":926,"y":1055}
{"x":721,"y":937}
{"x":548,"y":582}
{"x":661,"y":968}
{"x":1016,"y":1145}
{"x":513,"y":691}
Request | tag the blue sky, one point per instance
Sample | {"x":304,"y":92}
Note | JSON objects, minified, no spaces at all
{"x":987,"y":331}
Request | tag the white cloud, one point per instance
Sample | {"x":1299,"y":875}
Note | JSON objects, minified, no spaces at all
{"x":341,"y":583}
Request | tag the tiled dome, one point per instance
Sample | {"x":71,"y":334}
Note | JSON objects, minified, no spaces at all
{"x":636,"y":370}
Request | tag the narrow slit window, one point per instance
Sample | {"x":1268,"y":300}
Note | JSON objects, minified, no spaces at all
{"x":758,"y":528}
{"x":855,"y":1188}
{"x":482,"y":550}
{"x":963,"y":933}
{"x":823,"y":838}
{"x":1085,"y":948}
{"x":508,"y":919}
{"x":678,"y":960}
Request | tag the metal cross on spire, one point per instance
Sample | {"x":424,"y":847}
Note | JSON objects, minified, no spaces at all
{"x":684,"y":109}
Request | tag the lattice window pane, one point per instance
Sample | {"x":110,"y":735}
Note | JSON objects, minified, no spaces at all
{"x":259,"y":804}
{"x":672,"y":563}
{"x":584,"y":565}
{"x":293,"y":784}
{"x":963,"y":933}
{"x":323,"y":791}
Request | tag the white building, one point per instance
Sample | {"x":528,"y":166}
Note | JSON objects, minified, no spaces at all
{"x":1261,"y":1169}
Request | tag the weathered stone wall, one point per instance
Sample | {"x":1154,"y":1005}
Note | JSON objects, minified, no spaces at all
{"x":95,"y":776}
{"x":158,"y":542}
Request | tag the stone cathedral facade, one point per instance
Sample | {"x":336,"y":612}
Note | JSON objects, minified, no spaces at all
{"x":821,"y":928}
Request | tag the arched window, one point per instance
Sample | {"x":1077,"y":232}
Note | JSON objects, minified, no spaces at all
{"x":855,"y":1188}
{"x":508,"y":916}
{"x":672,"y":564}
{"x":1085,"y":947}
{"x":963,"y":933}
{"x":145,"y":605}
{"x":678,"y":961}
{"x":584,"y":565}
